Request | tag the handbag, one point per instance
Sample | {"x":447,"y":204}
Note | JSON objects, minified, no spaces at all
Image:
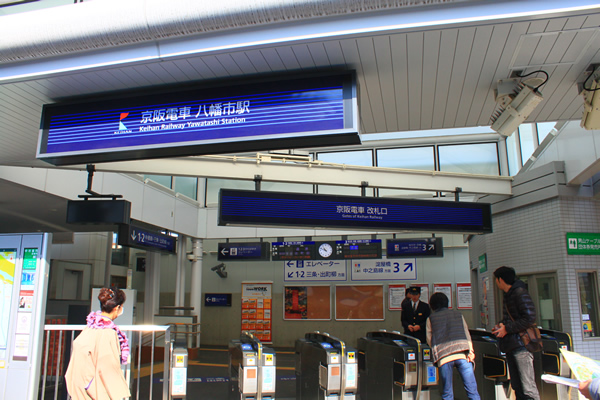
{"x":531,"y":337}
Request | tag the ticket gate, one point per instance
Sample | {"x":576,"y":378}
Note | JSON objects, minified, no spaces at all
{"x":251,"y":369}
{"x":325,"y":368}
{"x":550,"y":361}
{"x":491,"y":369}
{"x":393,"y":366}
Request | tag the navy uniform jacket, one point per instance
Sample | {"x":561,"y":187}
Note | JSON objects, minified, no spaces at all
{"x":417,"y":317}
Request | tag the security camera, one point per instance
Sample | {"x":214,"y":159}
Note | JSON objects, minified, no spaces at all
{"x":217,"y":267}
{"x":516,"y":101}
{"x":220,"y":270}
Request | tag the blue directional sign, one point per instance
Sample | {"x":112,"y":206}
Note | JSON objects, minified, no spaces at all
{"x":131,"y":235}
{"x":427,"y":247}
{"x":217,"y":299}
{"x":247,"y":251}
{"x":314,"y":270}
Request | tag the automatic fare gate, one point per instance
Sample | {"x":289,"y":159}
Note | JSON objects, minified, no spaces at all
{"x":394,"y":366}
{"x":325,"y":368}
{"x":491,"y":370}
{"x":251,"y":369}
{"x":550,"y":361}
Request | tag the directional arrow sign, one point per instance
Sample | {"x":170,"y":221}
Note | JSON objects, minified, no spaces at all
{"x":131,"y":235}
{"x":246,"y":251}
{"x":390,"y":270}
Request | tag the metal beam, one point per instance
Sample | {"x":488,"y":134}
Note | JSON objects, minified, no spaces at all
{"x":294,"y":169}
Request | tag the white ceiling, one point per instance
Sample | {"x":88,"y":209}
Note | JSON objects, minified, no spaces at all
{"x":429,"y":76}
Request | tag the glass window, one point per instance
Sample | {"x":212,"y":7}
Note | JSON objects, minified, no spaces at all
{"x":363,"y":158}
{"x":186,"y":185}
{"x":588,"y":300}
{"x":547,"y":299}
{"x":513,"y":155}
{"x":286,"y":187}
{"x":479,"y":158}
{"x":344,"y":190}
{"x":543,"y":129}
{"x":421,"y":158}
{"x":527,"y":138}
{"x":119,"y":254}
{"x":164,"y":180}
{"x":409,"y":157}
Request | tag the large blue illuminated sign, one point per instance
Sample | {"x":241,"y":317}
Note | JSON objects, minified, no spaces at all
{"x":264,"y":115}
{"x":242,"y":207}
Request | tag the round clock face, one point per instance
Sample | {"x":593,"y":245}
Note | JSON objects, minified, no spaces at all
{"x":325,"y":250}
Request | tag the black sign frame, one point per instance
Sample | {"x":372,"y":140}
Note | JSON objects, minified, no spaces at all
{"x":261,"y":208}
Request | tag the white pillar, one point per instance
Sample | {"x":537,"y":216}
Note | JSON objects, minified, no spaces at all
{"x":180,"y":278}
{"x":152,"y":287}
{"x":196,"y":289}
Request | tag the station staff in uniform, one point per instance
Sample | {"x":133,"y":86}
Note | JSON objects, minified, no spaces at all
{"x":414,"y":317}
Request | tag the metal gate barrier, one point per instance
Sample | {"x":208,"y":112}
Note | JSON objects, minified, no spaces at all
{"x":61,"y":337}
{"x":393,"y":366}
{"x":251,"y":369}
{"x":326,"y":369}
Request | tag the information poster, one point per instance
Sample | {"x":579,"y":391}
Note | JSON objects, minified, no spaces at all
{"x":256,"y":310}
{"x":359,"y":302}
{"x":8,"y":259}
{"x":445,"y":288}
{"x":307,"y":303}
{"x":464,"y":296}
{"x":396,"y":295}
{"x":424,"y":291}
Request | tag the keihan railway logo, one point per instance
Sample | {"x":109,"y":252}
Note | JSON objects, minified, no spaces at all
{"x":122,"y":127}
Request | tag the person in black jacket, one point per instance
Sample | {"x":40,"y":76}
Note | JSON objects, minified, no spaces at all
{"x":518,"y":315}
{"x":414,"y":316}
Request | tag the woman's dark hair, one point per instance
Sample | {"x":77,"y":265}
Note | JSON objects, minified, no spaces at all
{"x":508,"y":274}
{"x":110,"y":298}
{"x":438,"y":300}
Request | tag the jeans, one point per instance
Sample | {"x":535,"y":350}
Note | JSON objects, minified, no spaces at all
{"x":522,"y":376}
{"x":465,"y":369}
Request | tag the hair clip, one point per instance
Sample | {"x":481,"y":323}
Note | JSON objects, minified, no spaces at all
{"x":112,"y":294}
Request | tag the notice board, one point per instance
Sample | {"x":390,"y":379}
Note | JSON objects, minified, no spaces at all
{"x":359,"y":303}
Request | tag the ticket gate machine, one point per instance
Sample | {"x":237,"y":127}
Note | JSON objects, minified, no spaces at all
{"x":325,"y":368}
{"x":393,"y":366}
{"x":491,"y":369}
{"x":251,"y":369}
{"x":550,"y":361}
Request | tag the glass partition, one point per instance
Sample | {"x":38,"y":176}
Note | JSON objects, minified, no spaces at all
{"x":588,"y":302}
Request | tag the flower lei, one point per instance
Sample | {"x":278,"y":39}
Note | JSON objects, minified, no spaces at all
{"x":96,"y":321}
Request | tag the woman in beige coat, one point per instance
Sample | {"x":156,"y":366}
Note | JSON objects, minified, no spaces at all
{"x":94,"y":371}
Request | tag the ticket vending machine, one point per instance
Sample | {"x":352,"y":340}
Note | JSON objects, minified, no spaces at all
{"x":326,"y":369}
{"x":550,"y":361}
{"x":24,"y":267}
{"x":251,"y":369}
{"x":393,"y":366}
{"x":491,"y":369}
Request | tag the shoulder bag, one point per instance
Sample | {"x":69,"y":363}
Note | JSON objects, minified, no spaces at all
{"x":531,"y":337}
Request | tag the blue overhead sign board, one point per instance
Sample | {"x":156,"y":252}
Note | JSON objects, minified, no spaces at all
{"x":217,"y":299}
{"x":426,"y":247}
{"x":131,"y":235}
{"x":250,"y":251}
{"x":259,"y":208}
{"x":260,"y":115}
